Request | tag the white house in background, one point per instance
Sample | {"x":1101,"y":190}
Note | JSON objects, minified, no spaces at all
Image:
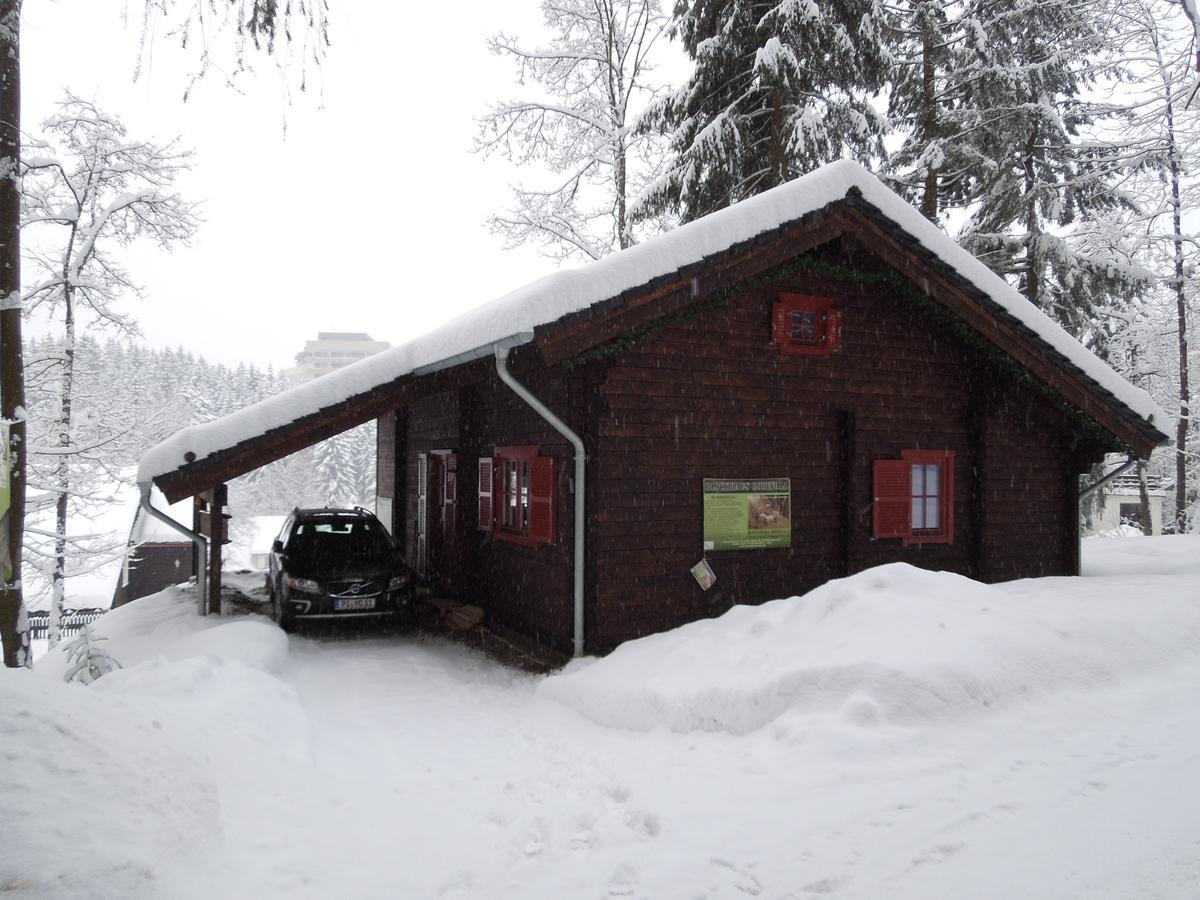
{"x":1118,"y":505}
{"x":332,"y":350}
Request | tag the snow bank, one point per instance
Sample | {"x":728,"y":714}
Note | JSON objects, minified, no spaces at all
{"x":567,"y":291}
{"x":126,"y":778}
{"x":115,"y":790}
{"x":893,"y":644}
{"x":166,"y":625}
{"x":1171,"y":554}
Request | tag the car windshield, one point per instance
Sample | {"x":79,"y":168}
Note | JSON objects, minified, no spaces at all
{"x":338,"y":540}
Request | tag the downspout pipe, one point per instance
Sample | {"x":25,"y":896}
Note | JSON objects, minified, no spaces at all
{"x":1119,"y":470}
{"x":198,"y":540}
{"x":540,"y":408}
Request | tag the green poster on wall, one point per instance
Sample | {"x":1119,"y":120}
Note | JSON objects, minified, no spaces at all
{"x":747,"y":513}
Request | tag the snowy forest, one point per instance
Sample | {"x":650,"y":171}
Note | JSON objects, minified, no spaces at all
{"x":128,"y":397}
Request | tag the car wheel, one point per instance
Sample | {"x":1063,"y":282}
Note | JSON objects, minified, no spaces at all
{"x":283,"y":616}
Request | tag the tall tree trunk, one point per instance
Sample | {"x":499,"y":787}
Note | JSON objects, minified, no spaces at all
{"x":1033,"y":259}
{"x":62,"y":471}
{"x":1181,"y":425}
{"x":1145,"y":520}
{"x":929,"y":124}
{"x":14,"y":626}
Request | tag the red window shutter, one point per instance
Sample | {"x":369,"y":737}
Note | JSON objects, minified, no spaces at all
{"x":541,"y":499}
{"x":485,"y":493}
{"x":833,"y":330}
{"x":891,"y":518}
{"x":779,"y":324}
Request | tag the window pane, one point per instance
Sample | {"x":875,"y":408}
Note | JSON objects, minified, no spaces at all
{"x":918,"y":513}
{"x":932,"y":514}
{"x":918,"y":481}
{"x":804,"y":326}
{"x":931,"y":480}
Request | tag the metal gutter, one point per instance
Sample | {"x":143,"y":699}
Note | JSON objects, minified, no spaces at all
{"x":513,"y":340}
{"x":501,"y":350}
{"x":198,"y":540}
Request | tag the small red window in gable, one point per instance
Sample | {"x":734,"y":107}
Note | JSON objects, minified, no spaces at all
{"x":517,"y":495}
{"x":914,"y":497}
{"x":807,"y":325}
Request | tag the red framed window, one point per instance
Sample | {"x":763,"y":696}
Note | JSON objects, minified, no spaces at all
{"x":806,"y":325}
{"x":517,"y":495}
{"x":914,"y":497}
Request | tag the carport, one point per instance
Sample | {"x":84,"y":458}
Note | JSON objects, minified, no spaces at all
{"x":199,"y":461}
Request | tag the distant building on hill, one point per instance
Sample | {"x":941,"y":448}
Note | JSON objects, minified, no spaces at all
{"x":332,"y":350}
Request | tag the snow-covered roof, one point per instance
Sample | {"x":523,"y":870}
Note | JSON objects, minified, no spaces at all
{"x":513,"y":316}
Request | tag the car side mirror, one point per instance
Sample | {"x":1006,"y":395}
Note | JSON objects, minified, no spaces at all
{"x":276,"y":547}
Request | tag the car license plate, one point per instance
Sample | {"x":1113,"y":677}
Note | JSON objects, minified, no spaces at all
{"x":344,"y":603}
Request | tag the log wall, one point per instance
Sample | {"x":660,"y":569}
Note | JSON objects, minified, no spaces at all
{"x":713,"y":398}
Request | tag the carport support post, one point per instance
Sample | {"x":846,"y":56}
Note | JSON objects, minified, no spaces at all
{"x":217,"y":499}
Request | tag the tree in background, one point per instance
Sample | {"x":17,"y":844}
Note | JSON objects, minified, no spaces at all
{"x":242,"y":26}
{"x":1154,"y":36}
{"x":593,"y":78}
{"x":1018,"y":81}
{"x":926,"y":35}
{"x":88,"y":190}
{"x":778,"y":89}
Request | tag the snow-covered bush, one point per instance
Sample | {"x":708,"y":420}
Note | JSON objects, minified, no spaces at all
{"x":86,"y":659}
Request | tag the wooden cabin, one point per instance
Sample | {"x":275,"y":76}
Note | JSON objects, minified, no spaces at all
{"x":807,"y":384}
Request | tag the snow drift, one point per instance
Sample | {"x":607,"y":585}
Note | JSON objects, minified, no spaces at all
{"x":125,"y":777}
{"x":895,"y":644}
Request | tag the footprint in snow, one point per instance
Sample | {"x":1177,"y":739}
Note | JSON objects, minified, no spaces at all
{"x":740,"y":878}
{"x":623,"y":883}
{"x":938,"y":854}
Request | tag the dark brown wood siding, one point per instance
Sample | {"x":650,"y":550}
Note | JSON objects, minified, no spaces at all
{"x":711,"y":397}
{"x":528,"y":589}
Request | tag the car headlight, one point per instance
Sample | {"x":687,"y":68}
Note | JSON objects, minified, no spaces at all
{"x":398,"y":581}
{"x":306,"y":585}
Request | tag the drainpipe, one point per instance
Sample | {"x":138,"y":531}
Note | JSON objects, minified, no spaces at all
{"x":580,"y":459}
{"x":201,"y":547}
{"x":1120,"y":470}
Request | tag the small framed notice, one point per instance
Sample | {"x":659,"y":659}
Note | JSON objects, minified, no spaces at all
{"x":704,"y":574}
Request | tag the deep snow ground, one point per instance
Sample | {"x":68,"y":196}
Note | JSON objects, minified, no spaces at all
{"x":230,"y":764}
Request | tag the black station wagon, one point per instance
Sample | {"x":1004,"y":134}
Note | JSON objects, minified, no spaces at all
{"x":337,"y":564}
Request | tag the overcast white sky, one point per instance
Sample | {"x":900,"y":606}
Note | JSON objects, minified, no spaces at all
{"x":368,"y":215}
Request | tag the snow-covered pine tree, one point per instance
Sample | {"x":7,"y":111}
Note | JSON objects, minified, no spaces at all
{"x":1018,"y":80}
{"x":88,"y":189}
{"x":925,"y":167}
{"x":779,"y":88}
{"x":86,"y":659}
{"x":592,"y":75}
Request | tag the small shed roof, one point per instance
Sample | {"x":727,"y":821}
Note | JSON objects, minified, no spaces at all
{"x":513,"y":317}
